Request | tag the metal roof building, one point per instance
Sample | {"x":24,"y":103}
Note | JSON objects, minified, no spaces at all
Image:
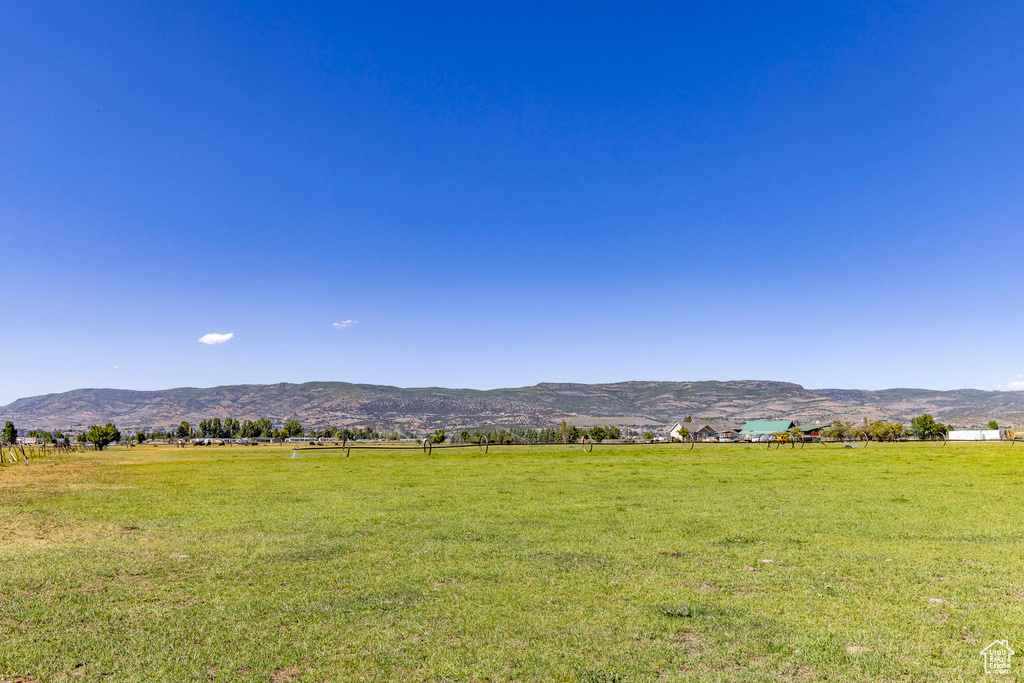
{"x":812,"y":427}
{"x":765,"y":427}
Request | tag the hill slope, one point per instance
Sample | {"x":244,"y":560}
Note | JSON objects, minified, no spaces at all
{"x":340,"y":403}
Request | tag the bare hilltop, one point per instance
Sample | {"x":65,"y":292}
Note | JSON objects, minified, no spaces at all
{"x":342,"y":403}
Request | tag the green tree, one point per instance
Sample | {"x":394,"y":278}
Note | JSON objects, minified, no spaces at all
{"x":10,"y":434}
{"x":837,"y":431}
{"x":264,"y":427}
{"x":438,"y":436}
{"x":613,"y":432}
{"x":564,"y":432}
{"x":648,"y":436}
{"x":247,"y":430}
{"x":250,"y":430}
{"x":184,"y":430}
{"x":43,"y":436}
{"x":860,"y":431}
{"x":881,"y":430}
{"x":211,"y":429}
{"x":992,"y":424}
{"x":926,"y":428}
{"x":101,"y":437}
{"x":682,"y":433}
{"x":140,"y":437}
{"x":293,"y":428}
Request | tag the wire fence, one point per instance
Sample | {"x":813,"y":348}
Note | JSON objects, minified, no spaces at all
{"x":587,"y":445}
{"x":13,"y":453}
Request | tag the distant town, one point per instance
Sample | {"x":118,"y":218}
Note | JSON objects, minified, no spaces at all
{"x":229,"y":431}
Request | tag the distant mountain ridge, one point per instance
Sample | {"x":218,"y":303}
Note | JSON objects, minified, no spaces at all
{"x":342,"y":403}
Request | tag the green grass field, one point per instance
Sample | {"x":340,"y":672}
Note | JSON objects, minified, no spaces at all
{"x":543,"y":564}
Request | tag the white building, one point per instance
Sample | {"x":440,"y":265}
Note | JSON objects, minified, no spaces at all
{"x":979,"y":435}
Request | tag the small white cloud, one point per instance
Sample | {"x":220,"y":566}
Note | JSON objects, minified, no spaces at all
{"x":214,"y":338}
{"x":115,"y":367}
{"x":1012,"y":386}
{"x":345,"y":323}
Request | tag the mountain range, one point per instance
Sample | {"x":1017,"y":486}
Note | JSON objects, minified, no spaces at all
{"x":318,"y":404}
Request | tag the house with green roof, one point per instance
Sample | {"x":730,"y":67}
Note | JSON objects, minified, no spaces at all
{"x":760,"y":430}
{"x":766,"y":427}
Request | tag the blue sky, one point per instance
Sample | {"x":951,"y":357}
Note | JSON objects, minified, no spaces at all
{"x":507,"y":193}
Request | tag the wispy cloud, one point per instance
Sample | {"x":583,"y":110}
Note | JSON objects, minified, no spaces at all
{"x":214,"y":338}
{"x":115,"y":367}
{"x":345,"y":323}
{"x":1016,"y":385}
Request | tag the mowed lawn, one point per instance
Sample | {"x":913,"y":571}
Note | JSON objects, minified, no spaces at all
{"x":634,"y":563}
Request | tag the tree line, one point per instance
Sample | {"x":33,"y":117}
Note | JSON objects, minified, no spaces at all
{"x":230,"y":428}
{"x":923,"y":427}
{"x":564,"y":433}
{"x":99,"y":437}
